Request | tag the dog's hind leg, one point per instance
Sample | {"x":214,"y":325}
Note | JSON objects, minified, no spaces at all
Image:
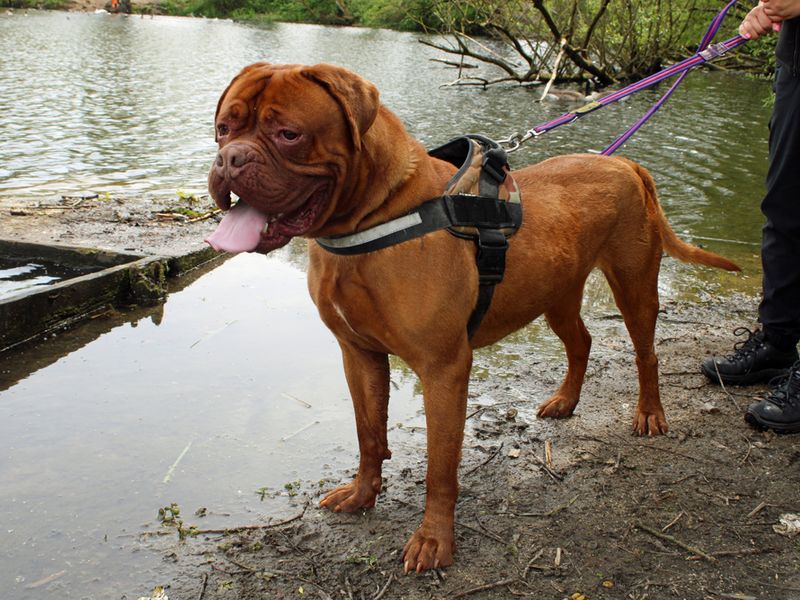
{"x":635,"y":289}
{"x":565,"y":320}
{"x":368,"y":379}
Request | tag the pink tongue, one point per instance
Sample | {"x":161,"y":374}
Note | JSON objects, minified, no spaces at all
{"x":239,"y":231}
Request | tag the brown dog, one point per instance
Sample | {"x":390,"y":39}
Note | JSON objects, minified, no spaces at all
{"x":310,"y":151}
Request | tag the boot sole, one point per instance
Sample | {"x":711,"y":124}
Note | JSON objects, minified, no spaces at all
{"x":751,"y":378}
{"x":763,"y":424}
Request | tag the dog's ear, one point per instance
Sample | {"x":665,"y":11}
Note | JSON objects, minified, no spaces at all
{"x":254,"y":76}
{"x":357,"y":97}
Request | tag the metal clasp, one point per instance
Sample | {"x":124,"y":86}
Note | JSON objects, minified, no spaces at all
{"x":513,"y":142}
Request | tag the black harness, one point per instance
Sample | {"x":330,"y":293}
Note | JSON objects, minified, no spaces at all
{"x":481,"y":215}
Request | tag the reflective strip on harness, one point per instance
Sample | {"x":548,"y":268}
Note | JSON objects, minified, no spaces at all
{"x":365,"y":238}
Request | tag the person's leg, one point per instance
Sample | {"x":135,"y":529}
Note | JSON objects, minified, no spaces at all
{"x":779,"y":311}
{"x":765,"y":354}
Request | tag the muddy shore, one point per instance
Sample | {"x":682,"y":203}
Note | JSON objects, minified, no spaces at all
{"x":578,"y":508}
{"x":548,"y":510}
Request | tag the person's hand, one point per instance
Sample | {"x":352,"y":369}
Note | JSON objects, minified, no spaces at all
{"x":758,"y":22}
{"x":781,"y":10}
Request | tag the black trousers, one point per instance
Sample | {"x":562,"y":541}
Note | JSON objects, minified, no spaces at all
{"x":779,"y":311}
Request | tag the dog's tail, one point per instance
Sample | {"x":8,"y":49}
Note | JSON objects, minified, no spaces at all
{"x":673,"y":245}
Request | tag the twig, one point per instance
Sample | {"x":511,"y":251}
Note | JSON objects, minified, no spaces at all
{"x":757,"y":509}
{"x":203,"y":587}
{"x":530,"y":566}
{"x":549,"y":513}
{"x":749,"y":450}
{"x":251,"y":527}
{"x":171,"y":470}
{"x":730,"y":596}
{"x":296,"y":399}
{"x":548,"y":453}
{"x":299,"y":431}
{"x":743,"y":552}
{"x":483,"y":588}
{"x":555,"y":476}
{"x":349,"y":588}
{"x":722,"y":385}
{"x":487,"y":461}
{"x":487,"y":533}
{"x":204,"y":217}
{"x":477,"y":411}
{"x":676,"y":541}
{"x":667,"y":450}
{"x":45,"y":580}
{"x":671,"y":523}
{"x":555,"y":70}
{"x":380,"y":594}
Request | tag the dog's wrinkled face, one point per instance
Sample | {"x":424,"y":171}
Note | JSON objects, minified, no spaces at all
{"x":285,"y":134}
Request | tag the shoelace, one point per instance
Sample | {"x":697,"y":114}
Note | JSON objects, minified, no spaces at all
{"x":744,"y":348}
{"x":785,"y":389}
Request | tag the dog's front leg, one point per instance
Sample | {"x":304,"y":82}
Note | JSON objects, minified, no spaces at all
{"x":368,"y":379}
{"x":444,"y":386}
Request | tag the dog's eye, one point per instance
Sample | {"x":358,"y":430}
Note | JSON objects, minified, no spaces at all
{"x":289,"y":135}
{"x":223,"y":130}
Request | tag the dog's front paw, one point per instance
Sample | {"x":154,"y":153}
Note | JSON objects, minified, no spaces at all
{"x":650,"y":423}
{"x":352,"y":497}
{"x":429,"y":548}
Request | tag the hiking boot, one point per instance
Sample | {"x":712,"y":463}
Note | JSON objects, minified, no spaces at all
{"x":780,"y":410}
{"x":754,"y":360}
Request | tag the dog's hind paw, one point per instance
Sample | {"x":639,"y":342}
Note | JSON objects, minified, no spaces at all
{"x":352,"y":497}
{"x":556,"y":407}
{"x":650,"y":423}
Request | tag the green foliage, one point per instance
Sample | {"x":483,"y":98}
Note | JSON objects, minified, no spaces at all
{"x":408,"y":15}
{"x":40,"y":4}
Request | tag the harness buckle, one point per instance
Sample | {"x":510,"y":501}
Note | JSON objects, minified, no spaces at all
{"x":491,"y":256}
{"x":495,"y":163}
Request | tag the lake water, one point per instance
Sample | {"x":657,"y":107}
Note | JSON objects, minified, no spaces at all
{"x":234,"y":384}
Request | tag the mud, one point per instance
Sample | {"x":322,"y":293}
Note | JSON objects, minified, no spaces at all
{"x":577,"y":508}
{"x":548,"y":509}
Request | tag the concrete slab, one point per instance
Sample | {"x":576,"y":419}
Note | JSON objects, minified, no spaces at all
{"x":104,"y":278}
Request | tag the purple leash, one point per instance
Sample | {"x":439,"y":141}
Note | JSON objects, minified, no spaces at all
{"x":709,"y":35}
{"x":706,"y":52}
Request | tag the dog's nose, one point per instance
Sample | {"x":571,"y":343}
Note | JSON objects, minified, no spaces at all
{"x":230,"y":159}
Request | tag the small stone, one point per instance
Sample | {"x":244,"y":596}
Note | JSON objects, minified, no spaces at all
{"x":709,"y":408}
